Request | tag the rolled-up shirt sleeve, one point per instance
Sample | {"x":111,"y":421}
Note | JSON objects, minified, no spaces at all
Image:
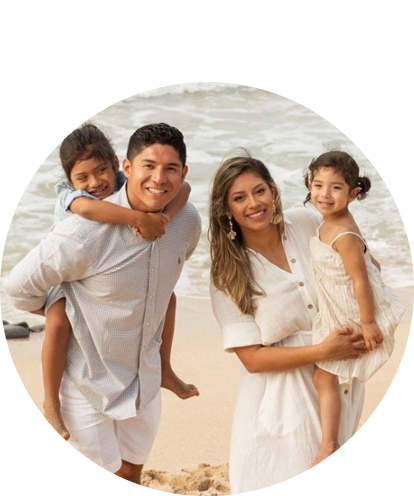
{"x":238,"y":329}
{"x":59,"y":257}
{"x":66,"y":194}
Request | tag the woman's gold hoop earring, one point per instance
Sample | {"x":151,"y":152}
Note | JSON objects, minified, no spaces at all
{"x":231,"y":234}
{"x":276,"y":218}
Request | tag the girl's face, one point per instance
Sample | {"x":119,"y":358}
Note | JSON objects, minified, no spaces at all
{"x":94,"y":176}
{"x":329,"y":191}
{"x":250,"y":202}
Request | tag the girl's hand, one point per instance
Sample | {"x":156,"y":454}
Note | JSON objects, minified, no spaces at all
{"x":342,"y":344}
{"x":150,"y":225}
{"x":372,"y":335}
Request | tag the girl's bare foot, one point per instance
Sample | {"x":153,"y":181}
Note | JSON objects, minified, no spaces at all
{"x":52,"y":414}
{"x":171,"y":381}
{"x":327,"y":456}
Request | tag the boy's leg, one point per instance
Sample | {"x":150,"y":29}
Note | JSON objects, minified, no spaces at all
{"x":330,"y":412}
{"x":57,"y":332}
{"x":169,"y":379}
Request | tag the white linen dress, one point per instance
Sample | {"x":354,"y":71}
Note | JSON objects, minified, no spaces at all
{"x":338,"y":306}
{"x":276,"y":427}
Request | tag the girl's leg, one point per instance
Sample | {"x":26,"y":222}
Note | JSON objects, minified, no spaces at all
{"x":57,"y":332}
{"x":330,"y":411}
{"x":169,"y":379}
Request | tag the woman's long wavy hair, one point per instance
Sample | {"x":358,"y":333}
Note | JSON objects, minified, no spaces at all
{"x":231,"y":271}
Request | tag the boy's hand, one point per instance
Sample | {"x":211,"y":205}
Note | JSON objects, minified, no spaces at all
{"x":372,"y":335}
{"x":150,"y":225}
{"x":166,"y":218}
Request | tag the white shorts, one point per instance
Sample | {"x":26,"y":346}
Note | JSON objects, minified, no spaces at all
{"x":106,"y":441}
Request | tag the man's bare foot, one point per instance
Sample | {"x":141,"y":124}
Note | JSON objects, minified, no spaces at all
{"x":171,"y":381}
{"x":52,"y":414}
{"x":324,"y":460}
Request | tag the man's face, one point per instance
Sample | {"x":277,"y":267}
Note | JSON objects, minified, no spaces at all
{"x":154,"y":177}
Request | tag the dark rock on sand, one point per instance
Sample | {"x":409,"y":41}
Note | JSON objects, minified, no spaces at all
{"x":16,"y":331}
{"x":37,"y":328}
{"x":22,"y":324}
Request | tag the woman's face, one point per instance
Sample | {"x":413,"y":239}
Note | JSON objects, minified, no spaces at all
{"x":250,"y":202}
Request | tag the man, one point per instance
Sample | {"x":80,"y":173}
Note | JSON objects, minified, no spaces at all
{"x":117,"y":287}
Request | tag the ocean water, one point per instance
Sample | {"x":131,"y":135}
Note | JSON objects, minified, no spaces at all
{"x":216,"y":118}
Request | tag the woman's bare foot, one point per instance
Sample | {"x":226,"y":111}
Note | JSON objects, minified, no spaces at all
{"x":327,"y":456}
{"x":52,"y":414}
{"x":171,"y":381}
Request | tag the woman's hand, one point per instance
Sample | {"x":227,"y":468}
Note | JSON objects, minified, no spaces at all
{"x":342,"y":344}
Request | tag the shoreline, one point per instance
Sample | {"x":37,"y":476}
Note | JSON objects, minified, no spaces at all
{"x":191,"y":451}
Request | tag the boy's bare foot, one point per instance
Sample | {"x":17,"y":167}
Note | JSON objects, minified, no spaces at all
{"x":171,"y":381}
{"x":324,"y":460}
{"x":52,"y":414}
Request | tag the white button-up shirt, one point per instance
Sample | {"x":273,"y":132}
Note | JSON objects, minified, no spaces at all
{"x":117,"y":288}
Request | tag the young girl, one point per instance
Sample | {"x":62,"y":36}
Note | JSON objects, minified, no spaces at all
{"x":92,"y":171}
{"x":348,"y":284}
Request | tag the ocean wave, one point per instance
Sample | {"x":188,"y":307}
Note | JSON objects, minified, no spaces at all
{"x":47,"y":95}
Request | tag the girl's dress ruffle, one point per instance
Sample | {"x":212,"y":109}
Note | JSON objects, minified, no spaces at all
{"x":338,"y":307}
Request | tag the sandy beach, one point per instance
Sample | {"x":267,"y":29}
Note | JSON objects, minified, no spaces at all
{"x":191,"y":450}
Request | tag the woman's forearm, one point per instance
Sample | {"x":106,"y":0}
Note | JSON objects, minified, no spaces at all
{"x":278,"y":359}
{"x":341,"y":344}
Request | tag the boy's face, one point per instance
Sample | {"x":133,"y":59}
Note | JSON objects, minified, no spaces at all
{"x":154,"y":177}
{"x":94,"y":176}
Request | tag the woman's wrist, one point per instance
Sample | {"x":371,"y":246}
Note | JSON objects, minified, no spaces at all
{"x":321,"y":352}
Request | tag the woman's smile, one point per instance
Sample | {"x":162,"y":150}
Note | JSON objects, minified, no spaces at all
{"x":250,"y":202}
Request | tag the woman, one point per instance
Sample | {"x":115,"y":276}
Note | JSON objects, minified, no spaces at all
{"x":264,"y":301}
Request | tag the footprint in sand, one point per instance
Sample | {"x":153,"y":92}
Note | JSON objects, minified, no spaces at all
{"x":205,"y":480}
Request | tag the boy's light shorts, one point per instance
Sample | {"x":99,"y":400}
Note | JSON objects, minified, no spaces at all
{"x":106,"y":441}
{"x":53,"y":295}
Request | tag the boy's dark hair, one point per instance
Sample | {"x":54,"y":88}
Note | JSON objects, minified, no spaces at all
{"x":152,"y":134}
{"x":343,"y":164}
{"x":84,"y":143}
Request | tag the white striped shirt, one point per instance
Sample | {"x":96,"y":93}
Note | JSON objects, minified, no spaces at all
{"x":117,"y":288}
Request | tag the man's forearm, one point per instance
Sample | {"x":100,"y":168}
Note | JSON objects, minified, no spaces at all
{"x":59,"y":257}
{"x":24,"y":293}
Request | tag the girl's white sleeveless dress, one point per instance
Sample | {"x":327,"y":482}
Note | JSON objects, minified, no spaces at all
{"x":338,"y":307}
